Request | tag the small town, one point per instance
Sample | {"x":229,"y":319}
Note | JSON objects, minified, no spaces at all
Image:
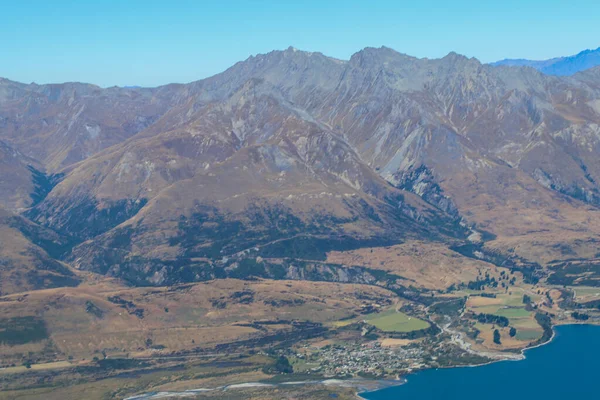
{"x":370,"y":359}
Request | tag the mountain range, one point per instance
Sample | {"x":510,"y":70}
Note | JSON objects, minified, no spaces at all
{"x":291,"y":154}
{"x":294,"y":218}
{"x":561,"y":66}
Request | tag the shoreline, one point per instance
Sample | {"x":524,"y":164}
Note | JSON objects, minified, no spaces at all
{"x":352,"y":382}
{"x":404,"y":380}
{"x":363,"y":386}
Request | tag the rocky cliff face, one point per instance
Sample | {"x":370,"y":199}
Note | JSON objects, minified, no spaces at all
{"x":292,"y":145}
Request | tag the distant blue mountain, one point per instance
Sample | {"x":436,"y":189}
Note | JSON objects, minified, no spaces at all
{"x":562,"y":66}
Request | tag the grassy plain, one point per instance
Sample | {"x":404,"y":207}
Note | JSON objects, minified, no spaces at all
{"x":83,"y":322}
{"x":513,"y":313}
{"x":424,"y":264}
{"x":395,"y":321}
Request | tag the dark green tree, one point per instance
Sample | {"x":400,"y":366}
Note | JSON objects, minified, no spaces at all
{"x":281,"y":366}
{"x":497,"y":337}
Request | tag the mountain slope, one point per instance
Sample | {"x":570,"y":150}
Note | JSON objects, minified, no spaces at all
{"x":251,"y":166}
{"x":27,"y":266}
{"x":59,"y":125}
{"x":291,"y":154}
{"x":16,"y":182}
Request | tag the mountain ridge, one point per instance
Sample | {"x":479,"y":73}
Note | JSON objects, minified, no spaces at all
{"x":382,"y":144}
{"x":561,"y":66}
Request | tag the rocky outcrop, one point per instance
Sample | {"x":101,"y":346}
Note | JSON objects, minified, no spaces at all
{"x":422,"y":182}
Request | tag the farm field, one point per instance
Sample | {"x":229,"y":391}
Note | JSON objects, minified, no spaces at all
{"x":587,"y":293}
{"x":395,"y":321}
{"x":511,"y":313}
{"x":505,"y":304}
{"x":509,"y":305}
{"x":36,"y":367}
{"x":528,"y":335}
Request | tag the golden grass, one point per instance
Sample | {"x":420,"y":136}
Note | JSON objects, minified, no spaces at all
{"x":428,"y":265}
{"x":478,"y":301}
{"x":180,"y":318}
{"x":486,"y":335}
{"x":529,"y":220}
{"x":37,"y":367}
{"x":395,"y":342}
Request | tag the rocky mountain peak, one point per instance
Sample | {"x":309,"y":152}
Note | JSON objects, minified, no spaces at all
{"x":370,"y":57}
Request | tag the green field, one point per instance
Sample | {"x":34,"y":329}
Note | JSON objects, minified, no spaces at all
{"x":514,"y":300}
{"x":484,"y":327}
{"x":512,"y":312}
{"x":487,"y":309}
{"x":528,"y":335}
{"x":394,"y":321}
{"x":511,"y":307}
{"x":586,"y":291}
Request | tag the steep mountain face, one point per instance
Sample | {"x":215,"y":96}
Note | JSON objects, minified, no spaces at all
{"x":560,"y":66}
{"x":290,"y":154}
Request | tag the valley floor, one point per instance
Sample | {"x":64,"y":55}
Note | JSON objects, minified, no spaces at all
{"x":105,"y":340}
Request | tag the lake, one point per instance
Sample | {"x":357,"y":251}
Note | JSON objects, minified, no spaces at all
{"x":566,"y":368}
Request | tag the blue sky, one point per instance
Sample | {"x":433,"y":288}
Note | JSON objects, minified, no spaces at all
{"x":148,"y":43}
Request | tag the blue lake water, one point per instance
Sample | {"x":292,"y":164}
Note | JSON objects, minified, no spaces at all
{"x":566,"y":368}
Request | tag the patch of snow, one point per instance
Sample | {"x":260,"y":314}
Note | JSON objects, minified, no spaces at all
{"x":93,"y":130}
